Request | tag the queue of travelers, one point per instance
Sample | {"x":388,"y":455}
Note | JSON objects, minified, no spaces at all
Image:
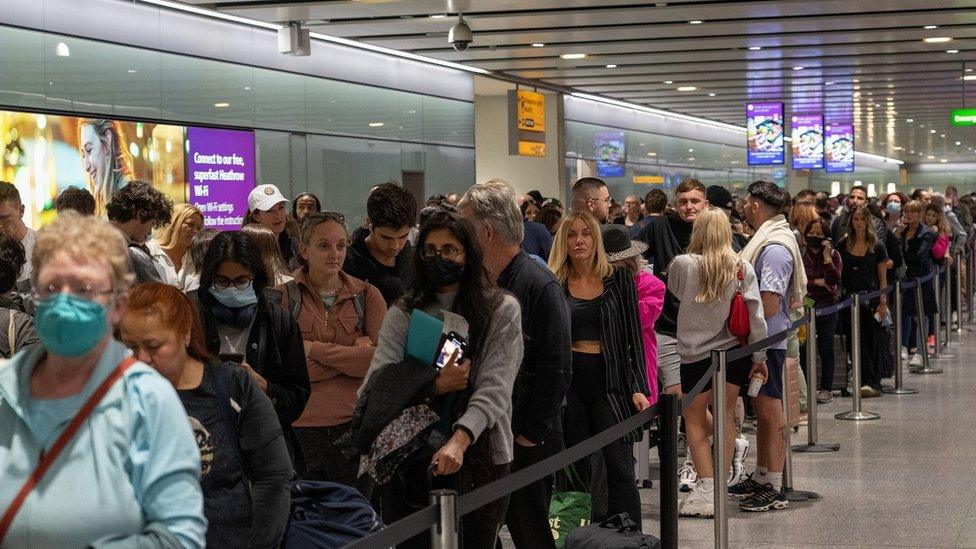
{"x":184,"y":381}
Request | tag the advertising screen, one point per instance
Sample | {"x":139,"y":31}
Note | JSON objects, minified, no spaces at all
{"x":610,"y":154}
{"x":808,"y":147}
{"x":44,"y":154}
{"x":839,"y":148}
{"x":764,"y":128}
{"x":220,"y":169}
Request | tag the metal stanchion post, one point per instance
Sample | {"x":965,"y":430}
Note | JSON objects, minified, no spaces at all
{"x":788,"y":491}
{"x":444,"y":534}
{"x":957,"y":264}
{"x":899,"y":388}
{"x":856,"y":414}
{"x":970,"y":265}
{"x":670,"y":415}
{"x":720,"y":468}
{"x":937,"y":320}
{"x":920,"y":320}
{"x":947,"y":304}
{"x":811,"y":445}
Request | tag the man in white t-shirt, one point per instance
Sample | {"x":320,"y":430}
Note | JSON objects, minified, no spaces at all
{"x":12,"y":223}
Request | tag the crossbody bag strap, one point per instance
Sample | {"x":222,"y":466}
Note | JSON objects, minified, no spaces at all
{"x":11,"y":332}
{"x":51,"y":455}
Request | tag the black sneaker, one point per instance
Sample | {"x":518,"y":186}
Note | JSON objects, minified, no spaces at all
{"x":744,"y":489}
{"x":765,"y":499}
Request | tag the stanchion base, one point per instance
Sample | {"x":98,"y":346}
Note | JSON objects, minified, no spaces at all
{"x":896,"y":391}
{"x":857,"y":416}
{"x":800,"y":495}
{"x":942,"y":356}
{"x":816,"y":448}
{"x":926,"y":371}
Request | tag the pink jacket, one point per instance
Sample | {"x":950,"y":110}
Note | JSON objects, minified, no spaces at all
{"x":650,"y":301}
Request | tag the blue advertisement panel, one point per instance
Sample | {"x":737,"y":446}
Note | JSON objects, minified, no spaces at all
{"x":610,"y":153}
{"x":839,"y":149}
{"x":764,"y":127}
{"x":808,"y":141}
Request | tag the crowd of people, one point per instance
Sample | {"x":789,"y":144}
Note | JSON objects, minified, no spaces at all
{"x":182,"y":381}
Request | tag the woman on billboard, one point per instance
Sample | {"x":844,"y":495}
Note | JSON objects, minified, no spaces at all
{"x":104,"y":157}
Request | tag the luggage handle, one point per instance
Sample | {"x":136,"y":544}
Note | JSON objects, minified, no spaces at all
{"x":621,"y":522}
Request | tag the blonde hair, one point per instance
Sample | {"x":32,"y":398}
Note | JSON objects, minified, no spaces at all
{"x":181,"y":212}
{"x":559,"y":262}
{"x":267,"y":242}
{"x":86,"y":239}
{"x":711,"y":238}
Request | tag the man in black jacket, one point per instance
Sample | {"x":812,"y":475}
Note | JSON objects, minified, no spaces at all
{"x":381,"y":254}
{"x":136,"y":210}
{"x":544,"y":374}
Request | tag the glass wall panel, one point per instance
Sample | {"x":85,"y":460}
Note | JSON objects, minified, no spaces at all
{"x":21,"y":63}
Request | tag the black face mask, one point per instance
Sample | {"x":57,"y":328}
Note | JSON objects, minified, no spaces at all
{"x":815,"y":242}
{"x":442,"y":272}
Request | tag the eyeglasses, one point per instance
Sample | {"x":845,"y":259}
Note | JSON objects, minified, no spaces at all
{"x":448,"y":252}
{"x":85,"y":292}
{"x":241,"y":282}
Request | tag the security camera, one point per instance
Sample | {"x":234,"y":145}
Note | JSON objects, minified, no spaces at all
{"x":460,"y":36}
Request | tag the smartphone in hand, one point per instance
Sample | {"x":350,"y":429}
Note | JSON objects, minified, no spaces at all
{"x":452,"y":342}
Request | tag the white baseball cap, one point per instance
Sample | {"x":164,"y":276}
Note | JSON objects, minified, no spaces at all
{"x":264,"y":197}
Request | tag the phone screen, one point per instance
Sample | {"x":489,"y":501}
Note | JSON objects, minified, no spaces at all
{"x":450,"y":345}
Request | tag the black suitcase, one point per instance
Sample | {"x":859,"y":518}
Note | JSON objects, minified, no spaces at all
{"x":617,"y":532}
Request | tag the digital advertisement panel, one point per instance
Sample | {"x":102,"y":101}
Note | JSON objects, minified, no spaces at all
{"x":44,"y":154}
{"x":764,"y":125}
{"x":808,"y":147}
{"x":610,"y":154}
{"x":220,"y":166}
{"x":839,"y":149}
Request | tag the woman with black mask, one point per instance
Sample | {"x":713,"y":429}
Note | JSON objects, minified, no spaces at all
{"x":245,"y":326}
{"x":823,"y":268}
{"x":473,"y":396}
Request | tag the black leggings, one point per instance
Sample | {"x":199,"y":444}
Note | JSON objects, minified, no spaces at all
{"x":587,"y":413}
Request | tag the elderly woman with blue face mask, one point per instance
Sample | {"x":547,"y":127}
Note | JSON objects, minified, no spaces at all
{"x":244,"y":323}
{"x":94,"y":446}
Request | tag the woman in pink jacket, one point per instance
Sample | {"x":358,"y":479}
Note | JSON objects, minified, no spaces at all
{"x":624,"y":252}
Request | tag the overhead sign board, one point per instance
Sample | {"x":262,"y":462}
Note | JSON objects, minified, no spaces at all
{"x":527,"y":123}
{"x":764,"y":126}
{"x":964,"y":117}
{"x":808,"y":146}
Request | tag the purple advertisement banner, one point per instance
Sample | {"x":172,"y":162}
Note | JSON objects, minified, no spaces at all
{"x":764,"y":127}
{"x":610,"y":149}
{"x":808,"y":141}
{"x":220,"y":169}
{"x":839,"y":147}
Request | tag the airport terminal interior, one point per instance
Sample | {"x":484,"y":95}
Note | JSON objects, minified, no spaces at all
{"x":861,"y":112}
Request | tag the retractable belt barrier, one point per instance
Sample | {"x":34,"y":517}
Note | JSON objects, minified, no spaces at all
{"x":427,"y":517}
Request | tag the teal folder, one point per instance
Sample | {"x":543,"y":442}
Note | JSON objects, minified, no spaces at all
{"x":423,"y":336}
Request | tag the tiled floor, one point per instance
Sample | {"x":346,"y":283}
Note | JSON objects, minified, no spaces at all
{"x":906,"y":480}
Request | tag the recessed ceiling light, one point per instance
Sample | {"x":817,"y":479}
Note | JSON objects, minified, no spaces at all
{"x":247,"y":88}
{"x":755,"y":48}
{"x":829,"y":84}
{"x":691,"y":159}
{"x":691,"y":150}
{"x":931,"y":131}
{"x":969,"y":77}
{"x":611,"y":66}
{"x":943,"y":160}
{"x":221,"y":105}
{"x":798,"y":68}
{"x":652,"y":154}
{"x":899,"y":148}
{"x":695,"y":22}
{"x":942,"y":135}
{"x":375,"y":124}
{"x":937,"y":39}
{"x":669,"y":81}
{"x":438,"y":16}
{"x":538,"y":45}
{"x":969,"y":70}
{"x":711,"y":95}
{"x":132,"y":71}
{"x":930,"y":27}
{"x":952,"y":51}
{"x":573,"y":55}
{"x":62,"y":50}
{"x":958,"y":143}
{"x":909,"y":120}
{"x":687,"y":88}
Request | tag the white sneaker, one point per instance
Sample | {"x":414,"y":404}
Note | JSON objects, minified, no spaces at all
{"x":739,"y":459}
{"x":904,"y":353}
{"x":687,"y":476}
{"x":699,"y":503}
{"x":916,"y":360}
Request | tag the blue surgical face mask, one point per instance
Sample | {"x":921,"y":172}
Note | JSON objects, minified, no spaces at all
{"x":234,"y":297}
{"x":894,"y":207}
{"x":69,"y":325}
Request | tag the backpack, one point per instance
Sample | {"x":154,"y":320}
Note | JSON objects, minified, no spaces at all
{"x":295,"y":304}
{"x":738,"y":321}
{"x":323,"y":514}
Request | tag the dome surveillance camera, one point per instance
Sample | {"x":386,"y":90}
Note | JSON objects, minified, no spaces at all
{"x":460,"y":36}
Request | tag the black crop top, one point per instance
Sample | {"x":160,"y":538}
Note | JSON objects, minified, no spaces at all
{"x":585,"y":318}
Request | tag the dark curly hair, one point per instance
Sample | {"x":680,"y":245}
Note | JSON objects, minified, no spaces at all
{"x":12,"y":259}
{"x":391,"y":206}
{"x":74,"y":198}
{"x":477,"y":297}
{"x":139,"y":198}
